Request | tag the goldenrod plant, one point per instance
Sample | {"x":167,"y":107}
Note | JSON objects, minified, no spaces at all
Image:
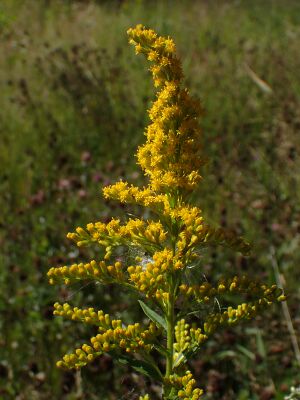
{"x":167,"y":248}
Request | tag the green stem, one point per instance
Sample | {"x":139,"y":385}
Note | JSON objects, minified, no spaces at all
{"x":170,"y":315}
{"x":170,"y":319}
{"x":170,"y":335}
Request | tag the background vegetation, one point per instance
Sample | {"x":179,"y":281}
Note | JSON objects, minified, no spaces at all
{"x":72,"y":111}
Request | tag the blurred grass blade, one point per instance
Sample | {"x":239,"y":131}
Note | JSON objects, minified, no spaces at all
{"x":259,"y":82}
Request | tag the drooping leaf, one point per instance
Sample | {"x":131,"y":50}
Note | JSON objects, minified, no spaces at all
{"x":153,"y":315}
{"x":141,"y":366}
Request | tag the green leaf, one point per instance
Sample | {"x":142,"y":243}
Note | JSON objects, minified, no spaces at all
{"x":141,"y":366}
{"x":158,"y":319}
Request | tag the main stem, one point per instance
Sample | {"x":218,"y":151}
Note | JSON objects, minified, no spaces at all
{"x":170,"y":333}
{"x":170,"y":318}
{"x":170,"y":341}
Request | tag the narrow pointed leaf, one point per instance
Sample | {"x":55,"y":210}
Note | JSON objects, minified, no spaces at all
{"x":158,"y":319}
{"x":141,"y":366}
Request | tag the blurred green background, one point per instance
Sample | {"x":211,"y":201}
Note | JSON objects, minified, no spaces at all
{"x":73,"y":106}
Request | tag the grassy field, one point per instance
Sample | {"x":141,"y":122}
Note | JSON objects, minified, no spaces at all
{"x":72,"y":111}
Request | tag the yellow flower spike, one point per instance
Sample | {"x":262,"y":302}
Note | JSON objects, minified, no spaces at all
{"x":161,"y":249}
{"x":171,"y":104}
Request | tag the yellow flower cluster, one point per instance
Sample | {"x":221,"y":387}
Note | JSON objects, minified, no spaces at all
{"x":185,"y":386}
{"x":244,"y":284}
{"x":88,"y":315}
{"x":186,"y":335}
{"x":233,"y":315}
{"x":79,"y":358}
{"x":188,"y":339}
{"x":194,"y":233}
{"x":150,"y":277}
{"x":92,"y":270}
{"x":182,"y":337}
{"x":171,"y":156}
{"x":135,"y":232}
{"x":130,"y":339}
{"x":158,"y":49}
{"x":146,"y":197}
{"x":145,"y":397}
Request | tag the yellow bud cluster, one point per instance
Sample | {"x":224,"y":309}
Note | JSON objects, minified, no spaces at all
{"x":139,"y":231}
{"x":159,"y":50}
{"x":130,"y":339}
{"x":155,"y":233}
{"x":151,"y":276}
{"x":188,"y":216}
{"x":254,"y":288}
{"x":126,"y":193}
{"x":182,"y":337}
{"x":243,"y":285}
{"x":80,"y":237}
{"x":92,"y":270}
{"x":166,"y":96}
{"x":194,"y":233}
{"x":185,"y":385}
{"x":192,"y":228}
{"x":243,"y":311}
{"x":202,"y":293}
{"x":134,"y":232}
{"x":88,"y":316}
{"x":197,"y":337}
{"x":99,"y":232}
{"x":79,"y":358}
{"x":161,"y":295}
{"x":146,"y":281}
{"x":187,"y":339}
